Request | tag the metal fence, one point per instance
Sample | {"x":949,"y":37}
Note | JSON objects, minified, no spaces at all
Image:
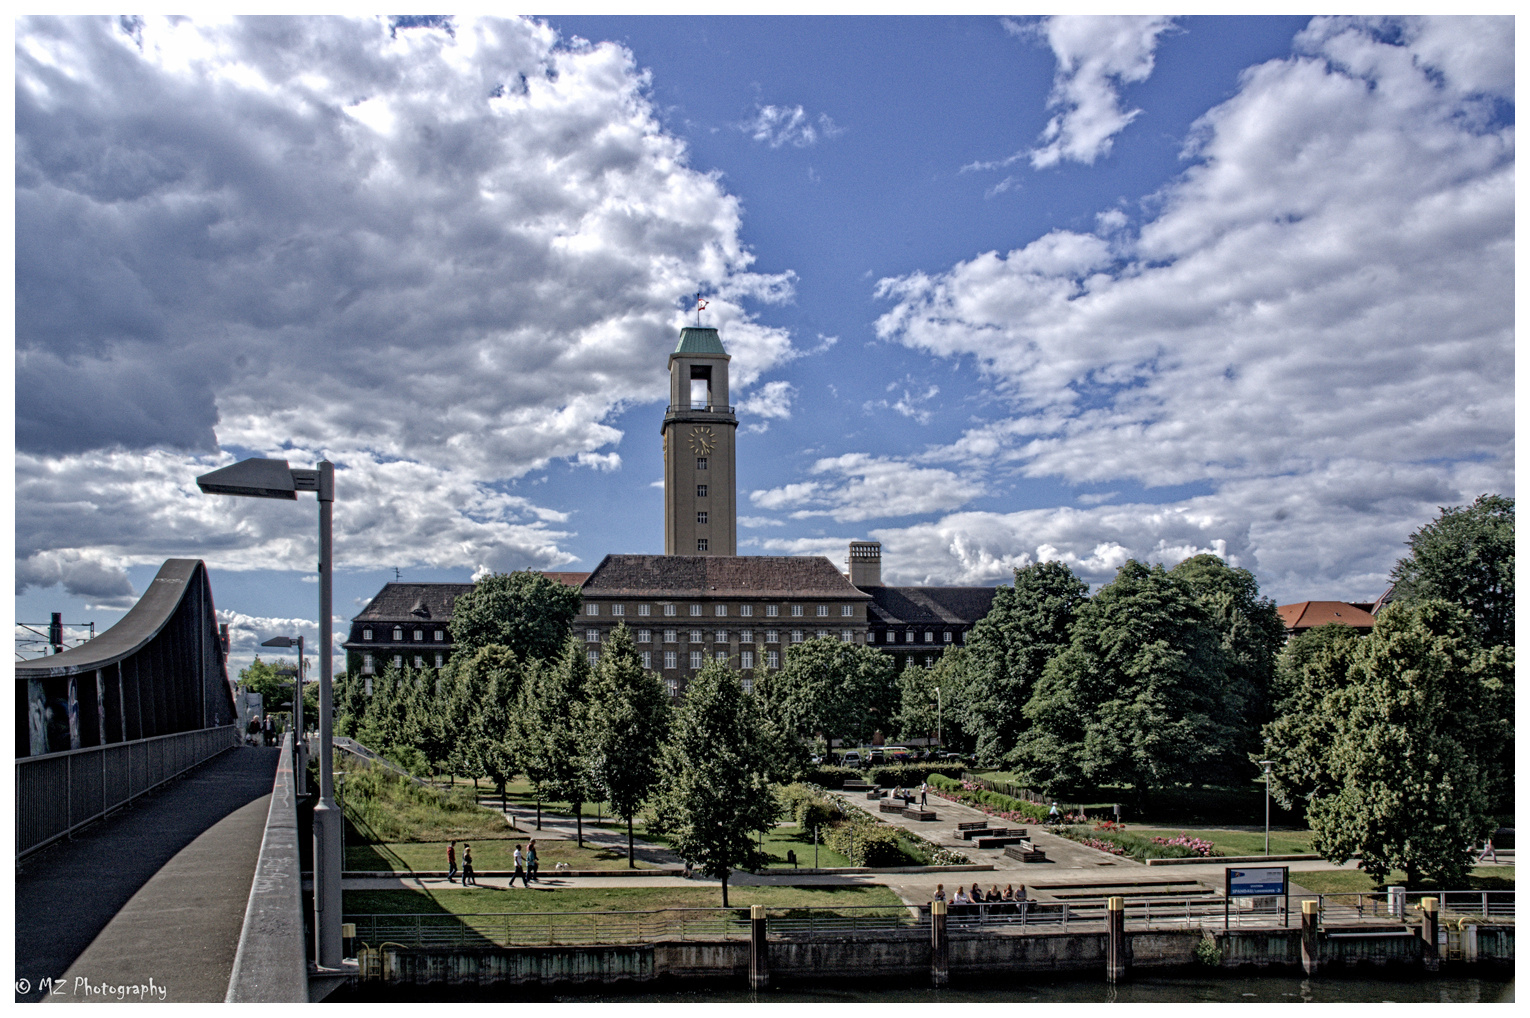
{"x":59,"y":793}
{"x":512,"y":929}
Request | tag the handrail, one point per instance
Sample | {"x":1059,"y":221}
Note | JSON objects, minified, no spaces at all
{"x":711,"y":408}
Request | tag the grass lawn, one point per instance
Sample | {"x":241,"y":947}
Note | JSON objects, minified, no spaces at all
{"x":1483,"y":878}
{"x":1238,"y":842}
{"x":495,"y":853}
{"x":459,"y":901}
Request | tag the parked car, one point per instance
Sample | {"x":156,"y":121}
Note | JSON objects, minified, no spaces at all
{"x":876,"y":756}
{"x":953,"y":757}
{"x":851,"y":759}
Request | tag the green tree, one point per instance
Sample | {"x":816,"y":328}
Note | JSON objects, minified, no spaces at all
{"x":1139,"y":696}
{"x":713,"y":793}
{"x":1466,"y":556}
{"x":628,"y":721}
{"x":1310,"y":674}
{"x":1008,"y":649}
{"x":1251,"y":630}
{"x":549,"y":729}
{"x":490,"y":723}
{"x":524,"y":611}
{"x":841,"y":690}
{"x":275,"y":689}
{"x":932,"y":701}
{"x":1414,"y":749}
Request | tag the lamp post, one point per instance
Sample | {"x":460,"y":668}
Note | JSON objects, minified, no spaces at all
{"x":267,"y":478}
{"x":940,"y":739}
{"x":1266,"y":764}
{"x":300,"y":752}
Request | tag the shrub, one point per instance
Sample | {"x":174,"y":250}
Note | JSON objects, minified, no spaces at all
{"x":1206,"y":950}
{"x":866,"y":842}
{"x":830,"y":777}
{"x":993,"y":803}
{"x":808,"y":806}
{"x":907,"y":775}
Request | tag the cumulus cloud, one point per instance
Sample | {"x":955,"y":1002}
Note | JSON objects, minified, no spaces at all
{"x":1316,"y":322}
{"x":911,"y":404}
{"x":442,"y":256}
{"x":773,"y":401}
{"x":857,"y":486}
{"x":1096,"y":55}
{"x":789,"y":125}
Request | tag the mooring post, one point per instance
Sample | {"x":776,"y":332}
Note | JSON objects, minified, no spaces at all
{"x":1431,"y":909}
{"x":940,"y":946}
{"x":1115,"y":939}
{"x":759,"y":965}
{"x":1310,"y":936}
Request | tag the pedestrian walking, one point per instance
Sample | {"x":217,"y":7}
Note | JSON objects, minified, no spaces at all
{"x":924,"y":794}
{"x":451,"y":863}
{"x":519,"y":871}
{"x":1489,"y":850}
{"x":467,"y":866}
{"x":531,"y":861}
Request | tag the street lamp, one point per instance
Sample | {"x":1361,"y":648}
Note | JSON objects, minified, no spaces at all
{"x":940,"y":739}
{"x":267,"y":478}
{"x":300,"y":753}
{"x":1267,"y":764}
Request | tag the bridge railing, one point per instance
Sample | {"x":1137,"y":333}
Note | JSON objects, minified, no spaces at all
{"x":59,"y":793}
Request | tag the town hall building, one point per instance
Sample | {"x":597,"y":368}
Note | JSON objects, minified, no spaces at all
{"x":700,"y":601}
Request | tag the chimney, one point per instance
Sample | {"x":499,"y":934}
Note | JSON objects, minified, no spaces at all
{"x":866,"y":563}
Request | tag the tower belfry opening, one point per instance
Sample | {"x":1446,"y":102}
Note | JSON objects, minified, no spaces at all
{"x":700,"y":479}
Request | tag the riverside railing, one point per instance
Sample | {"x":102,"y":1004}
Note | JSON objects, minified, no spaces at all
{"x":58,"y":793}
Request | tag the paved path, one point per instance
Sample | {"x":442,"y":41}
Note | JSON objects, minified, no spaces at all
{"x":156,"y":891}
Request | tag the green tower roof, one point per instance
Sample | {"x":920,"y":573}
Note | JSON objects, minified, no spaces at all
{"x":695,"y":340}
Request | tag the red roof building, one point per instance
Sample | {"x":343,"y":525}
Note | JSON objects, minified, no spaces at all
{"x":1305,"y":615}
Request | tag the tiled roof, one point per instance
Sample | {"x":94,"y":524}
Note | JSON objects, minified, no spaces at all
{"x":700,"y":342}
{"x":690,"y":576}
{"x":944,"y":605}
{"x":1311,"y":614}
{"x":567,"y":579}
{"x":413,"y":602}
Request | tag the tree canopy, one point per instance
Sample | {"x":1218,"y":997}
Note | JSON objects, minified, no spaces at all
{"x":1250,"y":627}
{"x":714,"y":795}
{"x":524,"y":611}
{"x":1466,"y":556}
{"x":628,"y":721}
{"x":843,"y":690}
{"x":549,"y":729}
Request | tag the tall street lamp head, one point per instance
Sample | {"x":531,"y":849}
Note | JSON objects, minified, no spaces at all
{"x":279,"y":641}
{"x":254,"y":478}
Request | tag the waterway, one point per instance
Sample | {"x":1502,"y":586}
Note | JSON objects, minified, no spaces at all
{"x":1180,"y":988}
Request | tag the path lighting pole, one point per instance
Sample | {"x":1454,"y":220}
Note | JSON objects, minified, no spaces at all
{"x":266,"y":478}
{"x":1266,"y":764}
{"x":940,"y":739}
{"x":300,"y":751}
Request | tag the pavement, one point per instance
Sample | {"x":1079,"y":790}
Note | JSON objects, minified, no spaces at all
{"x":148,"y":903}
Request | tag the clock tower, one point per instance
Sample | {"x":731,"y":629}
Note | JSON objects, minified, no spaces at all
{"x":700,"y":511}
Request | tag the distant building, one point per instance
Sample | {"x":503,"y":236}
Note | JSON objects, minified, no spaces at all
{"x":700,"y":601}
{"x":1305,"y":615}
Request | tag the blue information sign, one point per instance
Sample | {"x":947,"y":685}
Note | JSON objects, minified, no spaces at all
{"x":1256,"y":883}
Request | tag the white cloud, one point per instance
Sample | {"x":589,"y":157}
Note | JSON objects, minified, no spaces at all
{"x":1316,"y":323}
{"x":756,"y":522}
{"x":1096,"y":55}
{"x":862,"y":487}
{"x":911,"y":404}
{"x":789,"y":125}
{"x":772,"y":401}
{"x":443,"y":260}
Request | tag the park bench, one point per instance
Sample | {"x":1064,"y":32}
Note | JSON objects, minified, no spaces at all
{"x":924,"y":815}
{"x":857,"y":785}
{"x":1025,"y":852}
{"x":974,"y":825}
{"x":973,"y":834}
{"x":999,"y":841}
{"x":890,"y":806}
{"x":875,"y":793}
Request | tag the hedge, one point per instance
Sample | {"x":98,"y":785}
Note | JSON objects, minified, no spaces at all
{"x":952,"y":787}
{"x":887,"y":775}
{"x":865,"y":842}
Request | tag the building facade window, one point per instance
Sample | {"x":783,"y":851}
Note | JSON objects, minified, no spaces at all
{"x":419,"y":662}
{"x":398,"y":634}
{"x":846,"y":636}
{"x":746,"y":636}
{"x":440,"y":659}
{"x":796,"y":611}
{"x":367,"y":667}
{"x":398,"y":660}
{"x":669,"y":610}
{"x":695,"y":636}
{"x":822,"y":611}
{"x":721,"y":656}
{"x":746,"y":659}
{"x":701,"y":462}
{"x":746,"y":610}
{"x":647,"y":660}
{"x":821,"y":633}
{"x":695,"y":610}
{"x":592,"y":609}
{"x":592,"y":636}
{"x":771,"y":636}
{"x":645,"y":636}
{"x":772,"y":659}
{"x":618,"y":609}
{"x":643,"y":610}
{"x":593,"y":656}
{"x":366,"y":634}
{"x":771,"y":611}
{"x":948,"y":636}
{"x":721,"y":611}
{"x":701,"y":516}
{"x":721,"y":636}
{"x":701,"y":544}
{"x":746,"y":683}
{"x":701,"y":491}
{"x":695,"y":660}
{"x":909,"y":637}
{"x":419,"y":636}
{"x":669,"y":659}
{"x":796,"y":636}
{"x":440,"y":636}
{"x":846,"y":610}
{"x":929,"y":637}
{"x":673,"y":686}
{"x":670,"y":636}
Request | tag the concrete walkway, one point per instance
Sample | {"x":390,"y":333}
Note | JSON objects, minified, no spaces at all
{"x":155,"y":892}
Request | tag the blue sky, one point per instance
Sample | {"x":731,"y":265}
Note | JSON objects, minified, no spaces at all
{"x":998,"y":291}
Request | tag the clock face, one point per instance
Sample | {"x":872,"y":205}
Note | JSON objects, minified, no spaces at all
{"x":702,"y":441}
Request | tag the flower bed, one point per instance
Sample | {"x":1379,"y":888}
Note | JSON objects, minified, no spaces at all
{"x":1113,"y":838}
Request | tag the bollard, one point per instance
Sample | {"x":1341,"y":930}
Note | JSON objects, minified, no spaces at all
{"x":1115,"y":939}
{"x":1431,"y":932}
{"x":759,"y":965}
{"x":1397,"y":900}
{"x":347,"y":940}
{"x":940,"y":946}
{"x":1310,"y":936}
